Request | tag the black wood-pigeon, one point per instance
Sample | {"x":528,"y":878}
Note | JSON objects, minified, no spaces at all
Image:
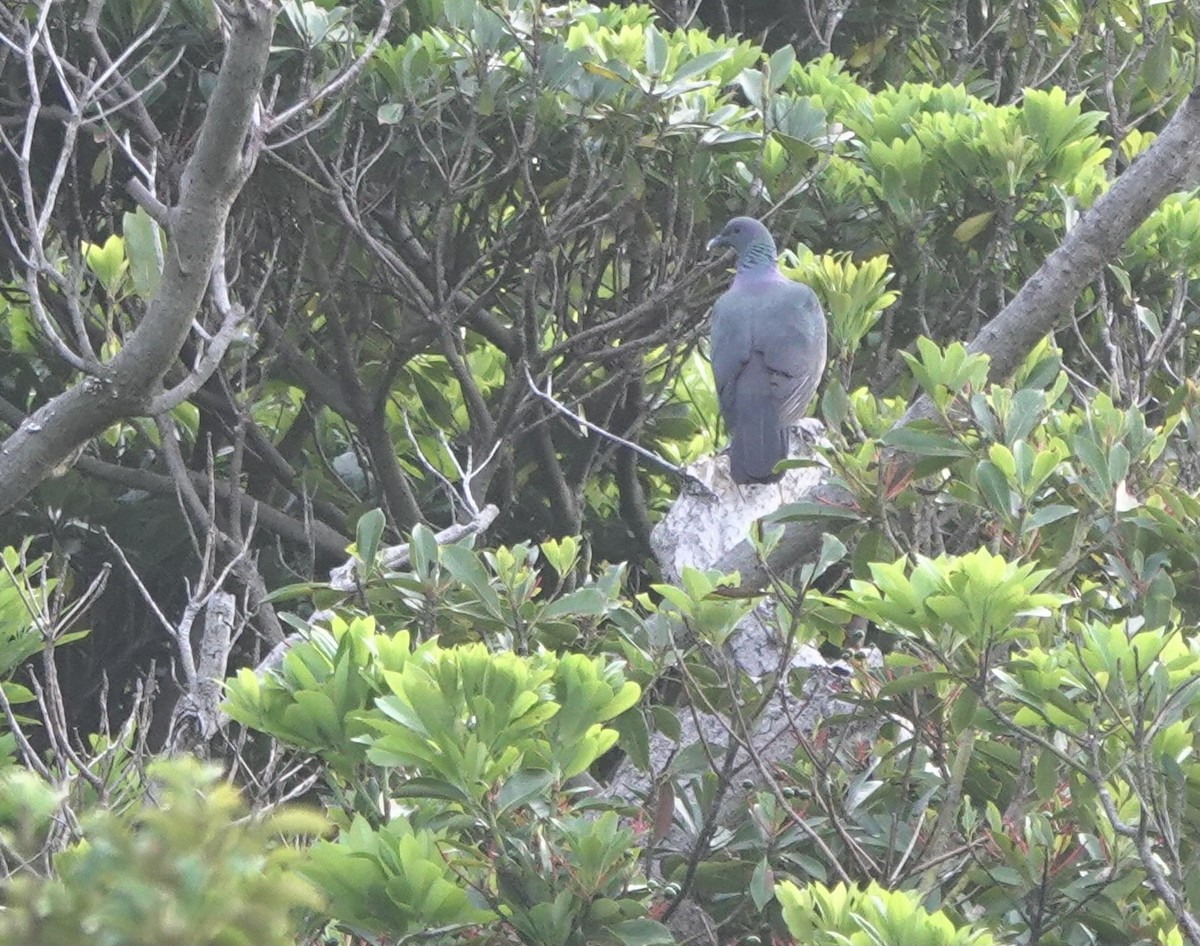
{"x":768,"y":352}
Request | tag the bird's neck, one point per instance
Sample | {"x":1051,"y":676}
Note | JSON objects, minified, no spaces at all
{"x":765,"y":272}
{"x":757,"y":256}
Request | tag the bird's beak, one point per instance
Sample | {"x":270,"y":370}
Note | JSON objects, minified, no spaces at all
{"x":716,"y":243}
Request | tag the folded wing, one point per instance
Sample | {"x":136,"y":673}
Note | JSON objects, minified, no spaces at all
{"x":768,"y":353}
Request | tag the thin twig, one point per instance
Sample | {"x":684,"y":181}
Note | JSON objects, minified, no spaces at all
{"x":595,"y":428}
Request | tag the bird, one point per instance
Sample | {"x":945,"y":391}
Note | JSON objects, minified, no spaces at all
{"x":768,"y":352}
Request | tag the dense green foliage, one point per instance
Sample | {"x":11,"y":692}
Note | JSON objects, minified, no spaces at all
{"x":487,"y":742}
{"x":531,"y":737}
{"x":186,"y":869}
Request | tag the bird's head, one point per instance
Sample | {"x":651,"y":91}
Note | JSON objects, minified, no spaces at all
{"x":748,"y":238}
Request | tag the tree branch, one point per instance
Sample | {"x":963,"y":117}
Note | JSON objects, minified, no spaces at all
{"x":210,"y":183}
{"x":595,"y":428}
{"x":326,"y":539}
{"x":233,"y":318}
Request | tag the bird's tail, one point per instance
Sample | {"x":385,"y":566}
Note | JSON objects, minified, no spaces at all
{"x":758,"y":441}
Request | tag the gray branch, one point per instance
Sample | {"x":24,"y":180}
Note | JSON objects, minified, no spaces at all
{"x":211,"y":181}
{"x":311,"y":533}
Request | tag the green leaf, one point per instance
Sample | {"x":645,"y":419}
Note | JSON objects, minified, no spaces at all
{"x":1159,"y":598}
{"x":465,"y":566}
{"x":1045,"y":775}
{"x":656,"y":51}
{"x":1118,"y":463}
{"x":367,"y":536}
{"x":1027,"y":407}
{"x":751,"y":83}
{"x":666,"y":721}
{"x":424,"y":787}
{"x":560,"y":554}
{"x":144,"y":248}
{"x":389,"y":113}
{"x":700,"y":64}
{"x":634,"y":737}
{"x":909,"y":682}
{"x":643,"y":933}
{"x":1085,"y":447}
{"x":835,"y":404}
{"x":970,"y":228}
{"x":598,"y":70}
{"x":962,"y":713}
{"x":778,"y":67}
{"x":994,"y":487}
{"x":832,"y":550}
{"x":762,"y":882}
{"x":793,"y":512}
{"x":107,"y":262}
{"x":924,"y":443}
{"x":521,"y":787}
{"x":584,"y":602}
{"x":1048,"y":514}
{"x":422,"y":551}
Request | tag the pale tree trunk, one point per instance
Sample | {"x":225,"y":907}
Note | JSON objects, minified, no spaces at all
{"x":127,"y":384}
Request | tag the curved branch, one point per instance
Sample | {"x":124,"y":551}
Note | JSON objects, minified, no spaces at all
{"x":326,"y":539}
{"x":211,"y":181}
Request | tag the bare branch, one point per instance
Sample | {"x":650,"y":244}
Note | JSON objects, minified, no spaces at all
{"x":326,"y":539}
{"x":233,"y":318}
{"x":159,"y":212}
{"x":584,"y":422}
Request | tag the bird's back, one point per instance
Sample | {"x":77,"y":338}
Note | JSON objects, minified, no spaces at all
{"x":768,"y":352}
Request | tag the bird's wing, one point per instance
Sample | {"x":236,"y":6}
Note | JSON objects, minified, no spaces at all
{"x":744,"y":389}
{"x":730,"y":345}
{"x":789,"y":333}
